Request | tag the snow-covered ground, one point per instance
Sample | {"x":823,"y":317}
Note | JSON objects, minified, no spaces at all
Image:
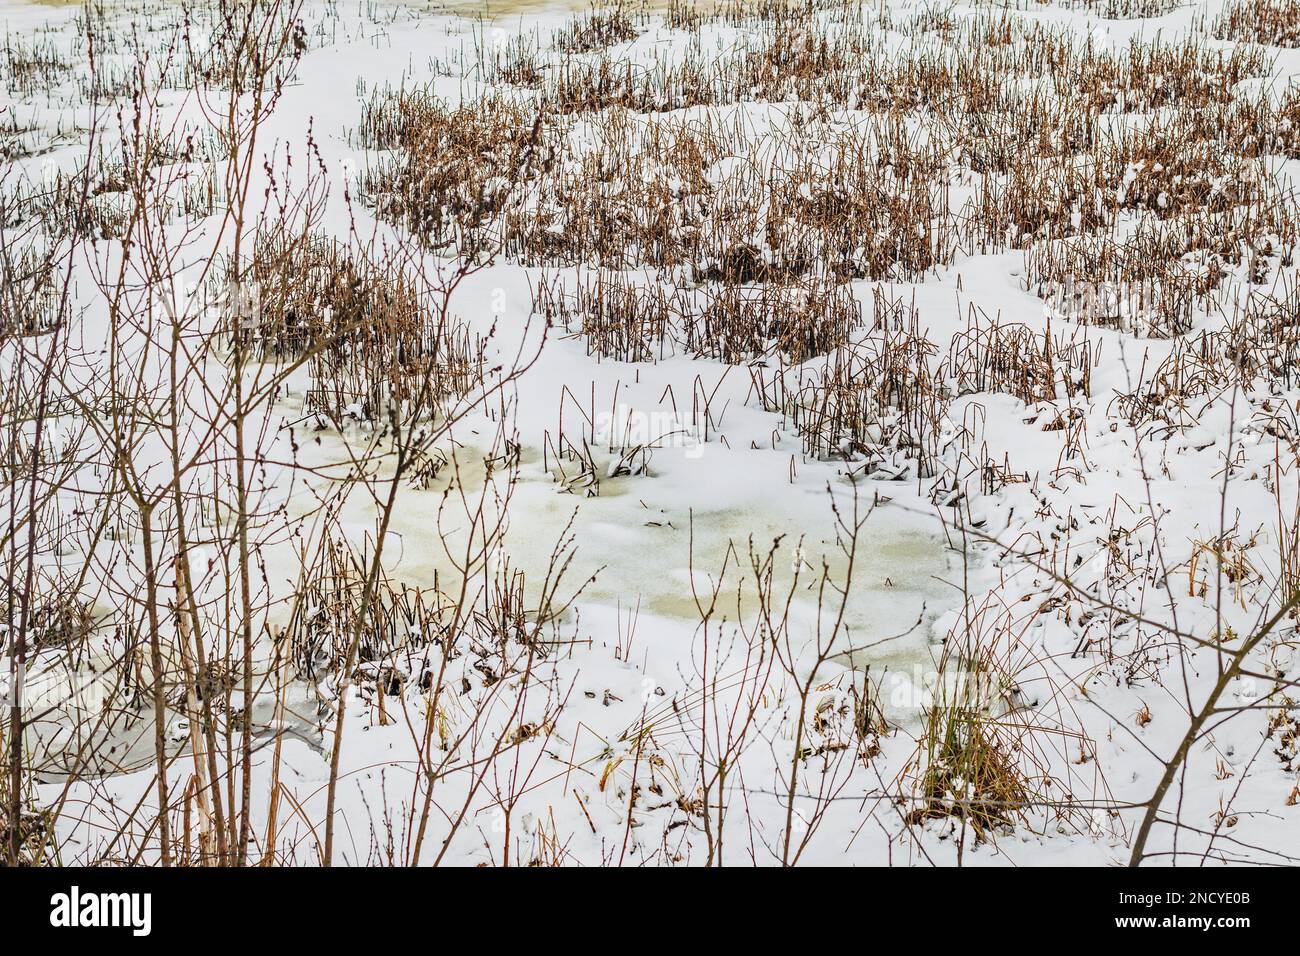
{"x":973,"y":637}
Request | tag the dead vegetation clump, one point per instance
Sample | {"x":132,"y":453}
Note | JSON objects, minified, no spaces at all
{"x":31,"y":833}
{"x":645,"y":321}
{"x":739,"y":207}
{"x":33,"y":301}
{"x":984,"y":759}
{"x":618,"y":317}
{"x":451,"y":171}
{"x":1011,"y":358}
{"x":796,"y":322}
{"x":1033,"y":203}
{"x":971,"y":773}
{"x":154,"y":175}
{"x":398,"y":638}
{"x":1167,"y":170}
{"x":59,"y":619}
{"x":596,"y":30}
{"x":309,"y":291}
{"x":397,"y":621}
{"x":1018,"y":130}
{"x":1196,"y":372}
{"x":1278,"y":129}
{"x":372,"y":344}
{"x":1274,"y":22}
{"x":1127,"y":9}
{"x":206,"y":44}
{"x":875,"y":205}
{"x":784,"y":52}
{"x":1142,"y":284}
{"x":660,"y":86}
{"x":1144,"y":77}
{"x":642,"y":194}
{"x":980,"y":760}
{"x":877,"y":402}
{"x":1264,"y":333}
{"x":34,"y":66}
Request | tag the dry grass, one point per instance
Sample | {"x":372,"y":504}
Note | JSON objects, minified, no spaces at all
{"x":374,"y":346}
{"x":452,"y":171}
{"x":1275,"y":22}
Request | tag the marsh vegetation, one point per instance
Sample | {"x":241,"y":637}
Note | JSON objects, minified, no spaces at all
{"x":764,"y":432}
